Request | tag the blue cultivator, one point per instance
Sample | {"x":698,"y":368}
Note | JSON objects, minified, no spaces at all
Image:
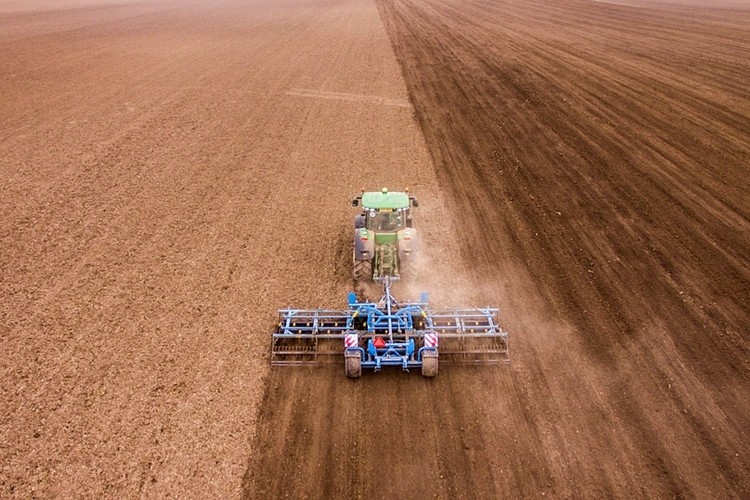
{"x":372,"y":335}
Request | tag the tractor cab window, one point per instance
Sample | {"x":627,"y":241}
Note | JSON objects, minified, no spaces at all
{"x":383,"y":221}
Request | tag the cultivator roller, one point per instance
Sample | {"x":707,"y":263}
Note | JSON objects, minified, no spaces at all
{"x":372,"y":335}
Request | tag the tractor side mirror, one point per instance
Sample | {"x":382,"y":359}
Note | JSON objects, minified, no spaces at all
{"x":414,"y":202}
{"x":355,"y":202}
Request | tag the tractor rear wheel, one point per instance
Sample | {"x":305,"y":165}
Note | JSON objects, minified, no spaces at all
{"x":429,"y":364}
{"x":353,"y":364}
{"x":362,"y":270}
{"x":408,"y":269}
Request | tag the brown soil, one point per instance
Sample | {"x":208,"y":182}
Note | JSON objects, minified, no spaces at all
{"x":172,"y":172}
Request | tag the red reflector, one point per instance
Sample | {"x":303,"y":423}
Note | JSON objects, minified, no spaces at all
{"x":379,"y":342}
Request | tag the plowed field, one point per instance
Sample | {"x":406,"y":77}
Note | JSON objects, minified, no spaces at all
{"x":172,"y":172}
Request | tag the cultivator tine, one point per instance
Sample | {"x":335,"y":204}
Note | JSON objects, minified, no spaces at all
{"x":469,"y":336}
{"x":304,"y":337}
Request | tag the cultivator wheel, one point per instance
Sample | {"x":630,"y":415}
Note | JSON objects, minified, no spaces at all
{"x":430,"y":364}
{"x":353,"y":364}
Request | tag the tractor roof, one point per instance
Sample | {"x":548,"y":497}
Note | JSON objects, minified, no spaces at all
{"x":385,"y":199}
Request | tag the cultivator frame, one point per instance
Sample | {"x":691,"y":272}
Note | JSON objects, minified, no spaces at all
{"x":372,"y":335}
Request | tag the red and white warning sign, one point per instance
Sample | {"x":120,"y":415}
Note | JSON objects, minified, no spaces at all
{"x":430,"y":340}
{"x":351,"y":340}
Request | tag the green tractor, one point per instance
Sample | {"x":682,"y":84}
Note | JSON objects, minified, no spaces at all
{"x":384,"y":239}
